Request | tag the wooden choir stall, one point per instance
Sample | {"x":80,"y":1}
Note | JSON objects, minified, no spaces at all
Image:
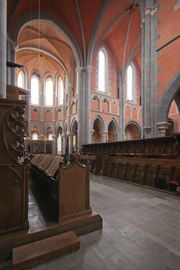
{"x":154,"y":162}
{"x":68,"y":184}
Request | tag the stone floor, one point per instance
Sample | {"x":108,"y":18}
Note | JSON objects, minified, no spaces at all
{"x":141,"y":230}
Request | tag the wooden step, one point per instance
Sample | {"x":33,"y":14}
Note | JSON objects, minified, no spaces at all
{"x":44,"y":250}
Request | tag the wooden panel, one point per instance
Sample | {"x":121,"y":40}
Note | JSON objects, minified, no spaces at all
{"x":51,"y":170}
{"x":14,"y":173}
{"x":74,"y":189}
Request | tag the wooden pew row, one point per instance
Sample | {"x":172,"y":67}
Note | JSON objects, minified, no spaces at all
{"x":158,"y":173}
{"x":88,"y":160}
{"x":161,"y":147}
{"x":69,"y":184}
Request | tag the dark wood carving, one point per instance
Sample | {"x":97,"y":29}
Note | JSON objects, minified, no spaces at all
{"x":14,"y":170}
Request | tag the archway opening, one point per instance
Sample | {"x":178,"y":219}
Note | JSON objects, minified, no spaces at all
{"x":96,"y":135}
{"x":111,"y":133}
{"x":131,"y":132}
{"x":173,"y":119}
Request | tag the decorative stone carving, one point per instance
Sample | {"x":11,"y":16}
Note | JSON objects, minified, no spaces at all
{"x":147,"y":129}
{"x":92,"y":131}
{"x":104,"y":133}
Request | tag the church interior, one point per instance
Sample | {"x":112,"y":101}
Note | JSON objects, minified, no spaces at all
{"x":90,"y":142}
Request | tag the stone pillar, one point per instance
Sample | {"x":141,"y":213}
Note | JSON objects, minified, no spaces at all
{"x":70,"y":136}
{"x":149,"y":66}
{"x":3,"y":30}
{"x":27,"y":117}
{"x":42,"y":138}
{"x":121,"y":105}
{"x":11,"y":57}
{"x":84,"y":94}
{"x":92,"y":132}
{"x":69,"y":105}
{"x":54,"y":145}
{"x":64,"y":140}
{"x":162,"y":127}
{"x":103,"y":136}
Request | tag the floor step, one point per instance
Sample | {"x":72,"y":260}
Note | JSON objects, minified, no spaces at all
{"x":44,"y":250}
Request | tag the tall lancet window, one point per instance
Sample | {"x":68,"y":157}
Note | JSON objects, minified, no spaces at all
{"x":34,"y":90}
{"x":21,"y":79}
{"x":101,"y":84}
{"x":129,"y":83}
{"x":60,"y":91}
{"x":49,"y":92}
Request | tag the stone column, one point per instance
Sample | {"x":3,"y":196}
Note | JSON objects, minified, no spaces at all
{"x":149,"y":66}
{"x":54,"y":145}
{"x":70,"y":136}
{"x":27,"y":117}
{"x":3,"y":30}
{"x":92,"y":132}
{"x":121,"y":105}
{"x":84,"y":93}
{"x":80,"y":108}
{"x":103,"y":136}
{"x":11,"y":57}
{"x":64,"y":138}
{"x":69,"y":105}
{"x":42,"y":138}
{"x":162,"y":127}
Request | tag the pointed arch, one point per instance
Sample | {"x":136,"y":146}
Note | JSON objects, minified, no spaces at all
{"x":100,"y":120}
{"x":114,"y":123}
{"x":137,"y":126}
{"x":73,"y":124}
{"x":167,"y":97}
{"x":35,"y":124}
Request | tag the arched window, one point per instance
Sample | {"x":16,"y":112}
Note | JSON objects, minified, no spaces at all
{"x":34,"y":90}
{"x":50,"y":137}
{"x":101,"y":79}
{"x":74,"y":143}
{"x":129,"y":83}
{"x":49,"y":92}
{"x":60,"y":91}
{"x":34,"y":136}
{"x":59,"y":144}
{"x":21,"y":79}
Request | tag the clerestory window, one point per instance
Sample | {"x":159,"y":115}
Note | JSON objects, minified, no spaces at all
{"x":101,"y":79}
{"x":129,"y":83}
{"x":60,"y":91}
{"x":35,"y":90}
{"x":21,"y":79}
{"x":49,"y":92}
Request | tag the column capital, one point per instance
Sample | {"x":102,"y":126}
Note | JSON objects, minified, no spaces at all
{"x":163,"y":126}
{"x":53,"y":136}
{"x":41,"y":136}
{"x":64,"y":136}
{"x":104,"y":133}
{"x":150,"y":10}
{"x":69,"y":134}
{"x":92,"y":131}
{"x":88,"y":68}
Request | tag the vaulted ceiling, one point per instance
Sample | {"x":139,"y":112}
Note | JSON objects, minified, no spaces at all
{"x":49,"y":32}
